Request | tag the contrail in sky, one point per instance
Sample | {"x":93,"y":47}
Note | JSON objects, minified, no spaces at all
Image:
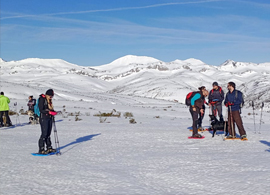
{"x":113,"y":9}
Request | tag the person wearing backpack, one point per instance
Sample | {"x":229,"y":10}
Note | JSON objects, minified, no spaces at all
{"x":195,"y":101}
{"x":234,"y":100}
{"x":216,"y":96}
{"x":45,"y":107}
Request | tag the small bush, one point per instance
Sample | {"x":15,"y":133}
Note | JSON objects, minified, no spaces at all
{"x":132,"y":121}
{"x":10,"y":113}
{"x":113,"y":113}
{"x":128,"y":115}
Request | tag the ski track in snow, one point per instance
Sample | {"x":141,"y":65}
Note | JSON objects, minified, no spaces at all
{"x":152,"y":156}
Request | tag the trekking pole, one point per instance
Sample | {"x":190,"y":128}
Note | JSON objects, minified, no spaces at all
{"x":232,"y":129}
{"x":252,"y":104}
{"x":17,"y":114}
{"x":259,"y":131}
{"x":57,"y":145}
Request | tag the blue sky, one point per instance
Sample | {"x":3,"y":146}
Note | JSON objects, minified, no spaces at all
{"x":96,"y":32}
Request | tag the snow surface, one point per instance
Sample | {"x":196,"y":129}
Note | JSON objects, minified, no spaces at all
{"x":152,"y":156}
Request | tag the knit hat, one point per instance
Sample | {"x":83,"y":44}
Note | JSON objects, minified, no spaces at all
{"x":50,"y":92}
{"x":215,"y":84}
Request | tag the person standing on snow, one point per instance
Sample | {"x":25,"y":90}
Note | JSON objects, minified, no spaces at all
{"x":31,"y":104}
{"x":196,"y":109}
{"x":4,"y":109}
{"x":234,"y":100}
{"x":216,"y":96}
{"x":201,"y":116}
{"x":46,"y":120}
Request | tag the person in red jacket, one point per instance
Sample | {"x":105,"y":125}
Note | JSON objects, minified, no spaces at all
{"x":46,"y":120}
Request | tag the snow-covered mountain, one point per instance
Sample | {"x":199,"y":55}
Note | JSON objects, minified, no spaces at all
{"x":133,"y":76}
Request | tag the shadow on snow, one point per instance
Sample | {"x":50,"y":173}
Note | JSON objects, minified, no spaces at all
{"x":266,"y":143}
{"x":78,"y":141}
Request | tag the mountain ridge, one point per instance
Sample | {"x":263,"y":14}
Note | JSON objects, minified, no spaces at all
{"x":135,"y":76}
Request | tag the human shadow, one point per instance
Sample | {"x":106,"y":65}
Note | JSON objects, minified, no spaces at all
{"x":79,"y":141}
{"x":266,"y":143}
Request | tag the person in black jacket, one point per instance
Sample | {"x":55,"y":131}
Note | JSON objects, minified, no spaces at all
{"x":216,"y":96}
{"x":46,"y":120}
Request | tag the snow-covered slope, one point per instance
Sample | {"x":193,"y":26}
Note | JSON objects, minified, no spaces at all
{"x":133,"y":76}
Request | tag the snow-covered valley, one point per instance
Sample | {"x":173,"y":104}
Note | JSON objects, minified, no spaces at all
{"x":111,"y":155}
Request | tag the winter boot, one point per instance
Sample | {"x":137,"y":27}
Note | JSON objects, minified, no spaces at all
{"x":230,"y":137}
{"x":244,"y":137}
{"x":50,"y":150}
{"x":42,"y":151}
{"x":197,"y":135}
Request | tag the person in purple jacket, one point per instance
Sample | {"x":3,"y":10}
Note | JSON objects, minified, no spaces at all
{"x":234,"y":100}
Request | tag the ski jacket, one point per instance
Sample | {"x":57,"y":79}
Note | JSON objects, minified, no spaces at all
{"x":43,"y":107}
{"x":31,"y":104}
{"x":197,"y":100}
{"x":216,"y":95}
{"x":236,"y":98}
{"x":4,"y":101}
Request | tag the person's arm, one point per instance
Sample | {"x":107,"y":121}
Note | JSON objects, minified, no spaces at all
{"x":194,"y":98}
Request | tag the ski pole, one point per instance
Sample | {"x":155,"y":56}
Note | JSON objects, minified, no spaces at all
{"x":252,"y":104}
{"x":259,"y":131}
{"x":232,"y":129}
{"x":57,"y":145}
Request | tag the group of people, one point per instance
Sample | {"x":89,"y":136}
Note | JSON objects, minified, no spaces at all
{"x":46,"y":117}
{"x":233,"y":100}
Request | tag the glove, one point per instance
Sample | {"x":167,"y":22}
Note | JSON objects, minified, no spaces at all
{"x":229,"y":104}
{"x":53,"y":113}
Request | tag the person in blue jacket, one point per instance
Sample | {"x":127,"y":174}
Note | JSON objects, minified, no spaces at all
{"x":234,"y":100}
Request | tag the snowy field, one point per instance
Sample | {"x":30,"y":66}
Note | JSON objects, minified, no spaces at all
{"x":152,"y":156}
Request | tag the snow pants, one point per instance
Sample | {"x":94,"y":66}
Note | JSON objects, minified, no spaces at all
{"x":217,"y":109}
{"x":46,"y":129}
{"x":4,"y":113}
{"x":234,"y":117}
{"x":195,"y":119}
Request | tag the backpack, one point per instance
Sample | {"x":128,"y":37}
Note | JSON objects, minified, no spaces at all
{"x":212,"y":91}
{"x":36,"y":109}
{"x":188,"y":98}
{"x":242,"y":101}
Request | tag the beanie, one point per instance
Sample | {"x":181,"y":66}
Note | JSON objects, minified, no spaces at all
{"x":215,"y":84}
{"x":50,"y":92}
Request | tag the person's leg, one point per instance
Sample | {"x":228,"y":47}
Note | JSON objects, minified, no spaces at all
{"x":43,"y":136}
{"x":231,"y":125}
{"x":219,"y":110}
{"x":239,"y":122}
{"x":1,"y":118}
{"x":194,"y":115}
